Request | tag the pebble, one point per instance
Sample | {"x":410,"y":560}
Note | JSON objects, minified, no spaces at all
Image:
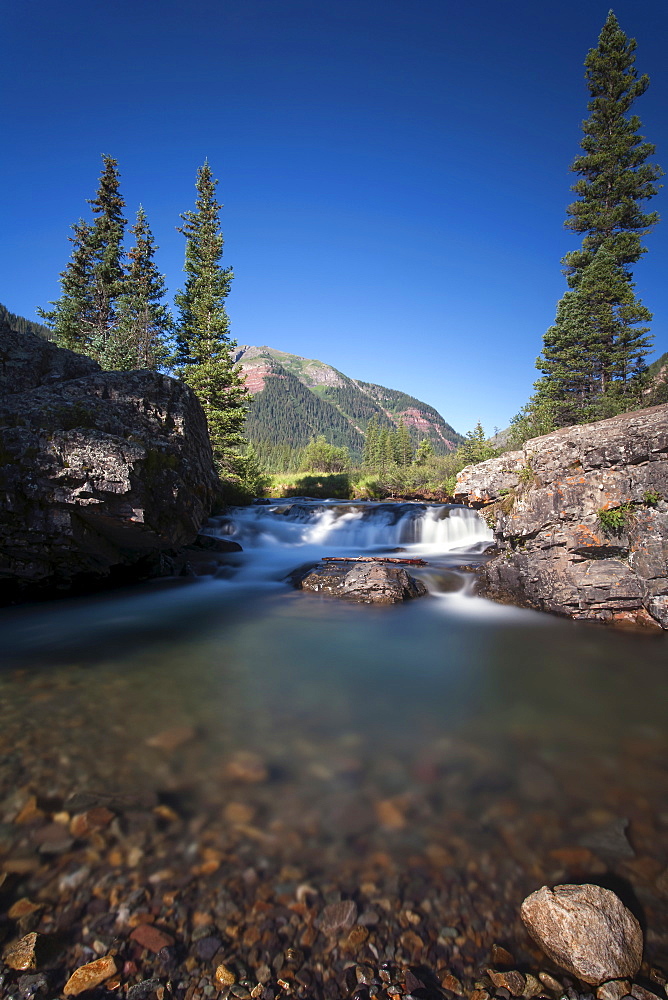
{"x":21,"y":954}
{"x":550,"y":982}
{"x":151,"y":937}
{"x":171,"y":739}
{"x":86,"y":977}
{"x":586,"y":930}
{"x":511,"y":980}
{"x":615,"y":989}
{"x":338,"y":917}
{"x":247,"y":767}
{"x":225,"y":976}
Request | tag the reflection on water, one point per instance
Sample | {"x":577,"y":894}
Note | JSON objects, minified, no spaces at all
{"x":447,"y":724}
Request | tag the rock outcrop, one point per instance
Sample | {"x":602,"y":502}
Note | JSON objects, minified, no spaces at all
{"x":581,"y":519}
{"x":366,"y":583}
{"x":98,"y":470}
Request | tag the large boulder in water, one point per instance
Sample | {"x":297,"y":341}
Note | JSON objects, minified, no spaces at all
{"x":366,"y":582}
{"x":98,"y":470}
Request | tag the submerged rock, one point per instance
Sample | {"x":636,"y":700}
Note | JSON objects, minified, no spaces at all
{"x":99,"y":471}
{"x":586,"y":930}
{"x":366,"y":583}
{"x":547,"y":504}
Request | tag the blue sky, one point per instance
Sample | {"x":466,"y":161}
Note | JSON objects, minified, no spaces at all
{"x":395,"y":175}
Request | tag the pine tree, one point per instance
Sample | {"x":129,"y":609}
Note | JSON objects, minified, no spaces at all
{"x":595,"y":350}
{"x":139,"y":338}
{"x":71,"y":316}
{"x":404,"y":448}
{"x":614,"y":176}
{"x":203,"y":343}
{"x":84,"y":317}
{"x":106,"y":240}
{"x":371,"y":443}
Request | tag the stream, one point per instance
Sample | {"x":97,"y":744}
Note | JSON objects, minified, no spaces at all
{"x":343,"y":745}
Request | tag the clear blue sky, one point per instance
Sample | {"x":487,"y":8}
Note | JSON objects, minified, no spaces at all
{"x":395,"y":175}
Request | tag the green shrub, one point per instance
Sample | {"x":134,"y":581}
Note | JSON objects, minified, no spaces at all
{"x":651,"y":498}
{"x":616,"y":520}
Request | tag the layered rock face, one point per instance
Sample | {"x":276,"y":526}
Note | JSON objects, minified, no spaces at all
{"x":98,"y":470}
{"x":581,"y":519}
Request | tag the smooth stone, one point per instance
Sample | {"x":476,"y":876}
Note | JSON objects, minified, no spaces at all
{"x":87,"y":977}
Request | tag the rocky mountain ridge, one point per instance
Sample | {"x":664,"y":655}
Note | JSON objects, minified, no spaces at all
{"x":337,"y":405}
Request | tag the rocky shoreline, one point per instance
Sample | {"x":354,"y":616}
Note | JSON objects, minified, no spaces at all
{"x":580,"y":518}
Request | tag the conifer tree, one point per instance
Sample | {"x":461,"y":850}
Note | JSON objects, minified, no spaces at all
{"x":71,"y":316}
{"x":404,"y":448}
{"x":615,"y":177}
{"x":139,"y":338}
{"x":595,"y":347}
{"x":107,"y":253}
{"x":203,"y":343}
{"x":85,"y":315}
{"x":371,"y":443}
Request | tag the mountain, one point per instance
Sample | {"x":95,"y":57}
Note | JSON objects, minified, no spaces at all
{"x":22,"y":325}
{"x":295,"y":399}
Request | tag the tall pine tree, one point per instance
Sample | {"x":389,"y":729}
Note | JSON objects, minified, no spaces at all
{"x":84,"y":317}
{"x":139,"y":337}
{"x":595,"y":346}
{"x":71,"y":316}
{"x":203,"y":343}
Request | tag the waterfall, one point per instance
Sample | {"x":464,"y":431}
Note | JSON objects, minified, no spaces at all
{"x":427,"y":528}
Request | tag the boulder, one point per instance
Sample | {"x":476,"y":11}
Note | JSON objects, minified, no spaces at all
{"x":366,"y":583}
{"x":586,"y":930}
{"x":99,"y":471}
{"x":547,"y":505}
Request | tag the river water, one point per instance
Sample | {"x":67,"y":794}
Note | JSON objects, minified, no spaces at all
{"x":506,"y":747}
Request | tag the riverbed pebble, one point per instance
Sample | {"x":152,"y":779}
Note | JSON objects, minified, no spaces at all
{"x":87,"y":977}
{"x":585,"y":929}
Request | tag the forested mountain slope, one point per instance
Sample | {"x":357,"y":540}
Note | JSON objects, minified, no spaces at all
{"x":296,"y":399}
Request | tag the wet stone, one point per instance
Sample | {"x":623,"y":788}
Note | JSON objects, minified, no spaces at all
{"x":586,"y":930}
{"x":33,"y":986}
{"x":89,"y":976}
{"x":151,"y":938}
{"x":512,"y":980}
{"x":613,"y":990}
{"x":338,"y":917}
{"x":207,"y":947}
{"x":21,"y":955}
{"x":225,"y":976}
{"x":146,"y":990}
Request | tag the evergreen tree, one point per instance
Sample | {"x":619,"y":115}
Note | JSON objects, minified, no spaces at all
{"x":615,"y":178}
{"x":203,"y":343}
{"x":476,"y":447}
{"x":404,"y":448}
{"x":70,"y":320}
{"x":424,"y":452}
{"x":106,"y":240}
{"x":595,"y":350}
{"x":371,"y":443}
{"x":84,"y":317}
{"x":139,"y":338}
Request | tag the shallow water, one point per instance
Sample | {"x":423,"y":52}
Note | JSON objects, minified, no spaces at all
{"x":447,"y":724}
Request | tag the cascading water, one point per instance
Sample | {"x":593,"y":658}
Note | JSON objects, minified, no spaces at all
{"x":278,"y":537}
{"x":343,"y":525}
